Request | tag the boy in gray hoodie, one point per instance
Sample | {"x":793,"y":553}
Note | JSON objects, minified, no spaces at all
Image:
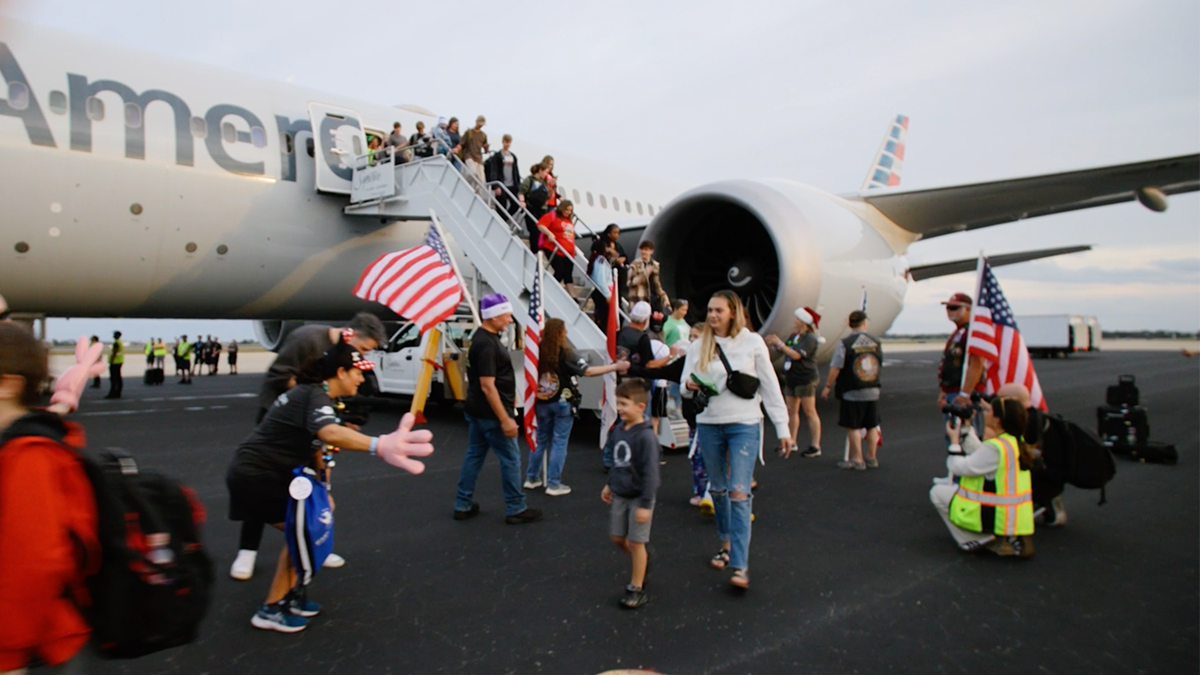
{"x":632,"y":483}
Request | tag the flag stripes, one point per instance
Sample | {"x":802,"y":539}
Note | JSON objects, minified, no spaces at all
{"x":535,"y":322}
{"x":418,"y":283}
{"x":994,"y":337}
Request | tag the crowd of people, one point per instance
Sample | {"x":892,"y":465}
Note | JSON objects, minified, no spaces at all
{"x":191,"y":358}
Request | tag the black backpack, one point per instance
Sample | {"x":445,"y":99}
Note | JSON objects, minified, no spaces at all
{"x":145,"y":598}
{"x":1086,"y":462}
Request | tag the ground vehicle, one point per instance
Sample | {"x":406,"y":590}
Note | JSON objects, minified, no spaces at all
{"x":1055,"y":334}
{"x":1094,"y":334}
{"x":398,"y":362}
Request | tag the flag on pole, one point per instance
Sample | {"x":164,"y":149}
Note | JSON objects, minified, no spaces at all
{"x":994,"y":337}
{"x":418,"y":283}
{"x":608,"y":399}
{"x":535,"y":321}
{"x":864,"y":300}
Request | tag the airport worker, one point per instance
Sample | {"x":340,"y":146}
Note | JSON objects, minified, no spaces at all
{"x":232,"y":352}
{"x":645,"y":284}
{"x":266,"y":462}
{"x":300,"y":347}
{"x":801,"y":376}
{"x":183,"y":357}
{"x":95,"y":380}
{"x":558,"y":241}
{"x":149,"y":351}
{"x":160,"y":353}
{"x":48,"y":519}
{"x":214,"y":355}
{"x":1049,"y":471}
{"x":992,"y":506}
{"x":855,"y":370}
{"x":558,"y":401}
{"x":955,"y":359}
{"x":734,"y":361}
{"x":491,"y":416}
{"x":632,"y":485}
{"x":116,"y":360}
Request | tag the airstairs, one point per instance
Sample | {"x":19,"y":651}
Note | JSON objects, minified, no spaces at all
{"x":489,"y":238}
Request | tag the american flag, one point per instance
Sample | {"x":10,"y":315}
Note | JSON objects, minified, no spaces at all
{"x":993,"y":336}
{"x":418,"y":283}
{"x":608,"y":398}
{"x":534,"y":323}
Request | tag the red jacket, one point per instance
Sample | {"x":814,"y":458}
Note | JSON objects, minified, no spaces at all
{"x":48,"y":526}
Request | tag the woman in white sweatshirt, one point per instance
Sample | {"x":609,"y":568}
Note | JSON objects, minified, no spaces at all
{"x":729,"y":428}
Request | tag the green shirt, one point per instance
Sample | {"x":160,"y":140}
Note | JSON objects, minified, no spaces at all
{"x":674,"y":330}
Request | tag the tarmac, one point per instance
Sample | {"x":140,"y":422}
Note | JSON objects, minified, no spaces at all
{"x":852,"y":572}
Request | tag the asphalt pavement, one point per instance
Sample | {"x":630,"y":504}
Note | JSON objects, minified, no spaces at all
{"x":851,"y":572}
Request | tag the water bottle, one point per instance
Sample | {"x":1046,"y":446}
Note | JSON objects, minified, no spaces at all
{"x":160,"y":554}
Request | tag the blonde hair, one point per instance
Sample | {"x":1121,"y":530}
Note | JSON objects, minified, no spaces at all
{"x":708,"y":342}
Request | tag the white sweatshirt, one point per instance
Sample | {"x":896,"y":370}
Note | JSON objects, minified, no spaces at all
{"x":747,"y":353}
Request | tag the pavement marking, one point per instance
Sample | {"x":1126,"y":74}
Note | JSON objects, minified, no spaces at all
{"x":109,"y":413}
{"x":157,"y":399}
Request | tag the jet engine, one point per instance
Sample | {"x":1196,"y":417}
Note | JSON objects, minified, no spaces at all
{"x":780,"y":245}
{"x":271,"y":333}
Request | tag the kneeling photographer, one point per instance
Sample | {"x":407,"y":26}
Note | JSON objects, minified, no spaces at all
{"x":992,"y":506}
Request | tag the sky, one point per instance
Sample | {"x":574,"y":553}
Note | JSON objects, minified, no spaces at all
{"x":799,"y":89}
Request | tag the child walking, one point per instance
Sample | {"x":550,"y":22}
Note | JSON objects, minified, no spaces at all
{"x":632,"y":483}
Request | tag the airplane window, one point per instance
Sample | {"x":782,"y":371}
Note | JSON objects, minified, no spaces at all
{"x":289,"y":145}
{"x":308,"y":146}
{"x":18,"y":95}
{"x":199,"y":127}
{"x":95,"y":109}
{"x":228,"y":133}
{"x":358,"y":149}
{"x":628,"y":207}
{"x":58,"y":103}
{"x":575,"y":194}
{"x":133,"y":115}
{"x":616,"y":204}
{"x":639,"y":205}
{"x":603,"y":202}
{"x":591,"y":202}
{"x":258,"y":136}
{"x":650,"y":207}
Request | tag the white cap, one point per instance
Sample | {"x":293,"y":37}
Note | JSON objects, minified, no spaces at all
{"x":804,"y":316}
{"x":640,"y":312}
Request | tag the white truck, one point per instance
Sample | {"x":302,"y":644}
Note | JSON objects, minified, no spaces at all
{"x":1054,"y":335}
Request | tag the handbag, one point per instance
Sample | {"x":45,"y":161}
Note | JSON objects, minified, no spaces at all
{"x":602,"y":275}
{"x":741,"y":384}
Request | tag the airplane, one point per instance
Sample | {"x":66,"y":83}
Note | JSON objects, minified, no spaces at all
{"x":141,"y":186}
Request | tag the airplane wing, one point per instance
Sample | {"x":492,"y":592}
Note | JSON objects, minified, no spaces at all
{"x":920,"y":272}
{"x":939,"y":211}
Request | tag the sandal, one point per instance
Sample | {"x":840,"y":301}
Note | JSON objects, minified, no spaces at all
{"x":720,"y":560}
{"x":740,"y":578}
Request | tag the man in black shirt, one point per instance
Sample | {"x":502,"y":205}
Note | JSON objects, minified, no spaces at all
{"x":491,"y":416}
{"x":633,"y":343}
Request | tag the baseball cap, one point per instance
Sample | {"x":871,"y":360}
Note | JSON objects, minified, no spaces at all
{"x":640,"y":312}
{"x":958,"y":299}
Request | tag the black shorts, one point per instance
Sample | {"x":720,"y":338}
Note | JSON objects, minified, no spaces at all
{"x":658,"y":401}
{"x":233,"y":358}
{"x":564,"y":269}
{"x":858,"y":414}
{"x":259,"y":498}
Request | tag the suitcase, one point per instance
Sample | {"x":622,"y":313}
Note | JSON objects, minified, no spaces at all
{"x":1123,"y":393}
{"x":1155,"y":453}
{"x":1122,"y":427}
{"x":153,"y":376}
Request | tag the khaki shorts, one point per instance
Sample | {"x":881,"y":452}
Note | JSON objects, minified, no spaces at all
{"x":621,"y":522}
{"x":801,"y":390}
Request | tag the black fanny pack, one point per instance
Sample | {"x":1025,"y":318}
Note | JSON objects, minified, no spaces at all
{"x":741,"y":384}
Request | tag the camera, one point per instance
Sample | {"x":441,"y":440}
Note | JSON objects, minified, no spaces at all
{"x":964,"y":411}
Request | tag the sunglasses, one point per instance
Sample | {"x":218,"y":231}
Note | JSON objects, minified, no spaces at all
{"x":953,"y":308}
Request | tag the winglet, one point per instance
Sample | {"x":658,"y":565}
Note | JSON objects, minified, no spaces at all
{"x":885,"y":171}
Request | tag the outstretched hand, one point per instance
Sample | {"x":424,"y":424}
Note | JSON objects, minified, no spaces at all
{"x":398,"y":447}
{"x":69,"y":386}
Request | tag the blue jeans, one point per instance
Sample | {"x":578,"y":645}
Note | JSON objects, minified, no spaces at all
{"x":730,"y":451}
{"x":554,"y":430}
{"x":484,"y":434}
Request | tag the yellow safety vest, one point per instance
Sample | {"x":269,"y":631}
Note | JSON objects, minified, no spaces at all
{"x":183,"y":349}
{"x":1008,"y":497}
{"x":160,"y":349}
{"x":149,"y":349}
{"x":117,"y":356}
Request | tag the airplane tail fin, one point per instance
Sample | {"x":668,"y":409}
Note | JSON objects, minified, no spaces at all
{"x":885,"y":171}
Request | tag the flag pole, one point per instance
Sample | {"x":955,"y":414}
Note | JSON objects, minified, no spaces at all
{"x":971,"y":319}
{"x":454,"y":266}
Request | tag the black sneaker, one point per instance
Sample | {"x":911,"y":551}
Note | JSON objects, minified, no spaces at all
{"x":469,"y":513}
{"x":526,"y":516}
{"x":812,"y":451}
{"x":634,"y":597}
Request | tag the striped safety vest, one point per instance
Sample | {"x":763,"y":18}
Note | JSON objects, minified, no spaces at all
{"x":1005,"y":501}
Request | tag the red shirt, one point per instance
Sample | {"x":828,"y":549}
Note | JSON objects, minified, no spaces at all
{"x":564,"y":233}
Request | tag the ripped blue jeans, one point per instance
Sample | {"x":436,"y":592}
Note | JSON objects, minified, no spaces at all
{"x":730,"y":451}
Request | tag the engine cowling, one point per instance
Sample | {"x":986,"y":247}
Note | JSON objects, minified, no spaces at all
{"x":271,"y":333}
{"x":780,"y":245}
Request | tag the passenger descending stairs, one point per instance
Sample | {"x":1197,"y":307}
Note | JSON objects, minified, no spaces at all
{"x":501,"y":258}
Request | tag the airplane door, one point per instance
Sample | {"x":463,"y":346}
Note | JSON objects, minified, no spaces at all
{"x":339,"y":139}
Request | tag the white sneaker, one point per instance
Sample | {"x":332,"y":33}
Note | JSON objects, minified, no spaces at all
{"x":243,"y":565}
{"x":532,"y":484}
{"x":334,"y":561}
{"x":942,"y":480}
{"x":558,"y":491}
